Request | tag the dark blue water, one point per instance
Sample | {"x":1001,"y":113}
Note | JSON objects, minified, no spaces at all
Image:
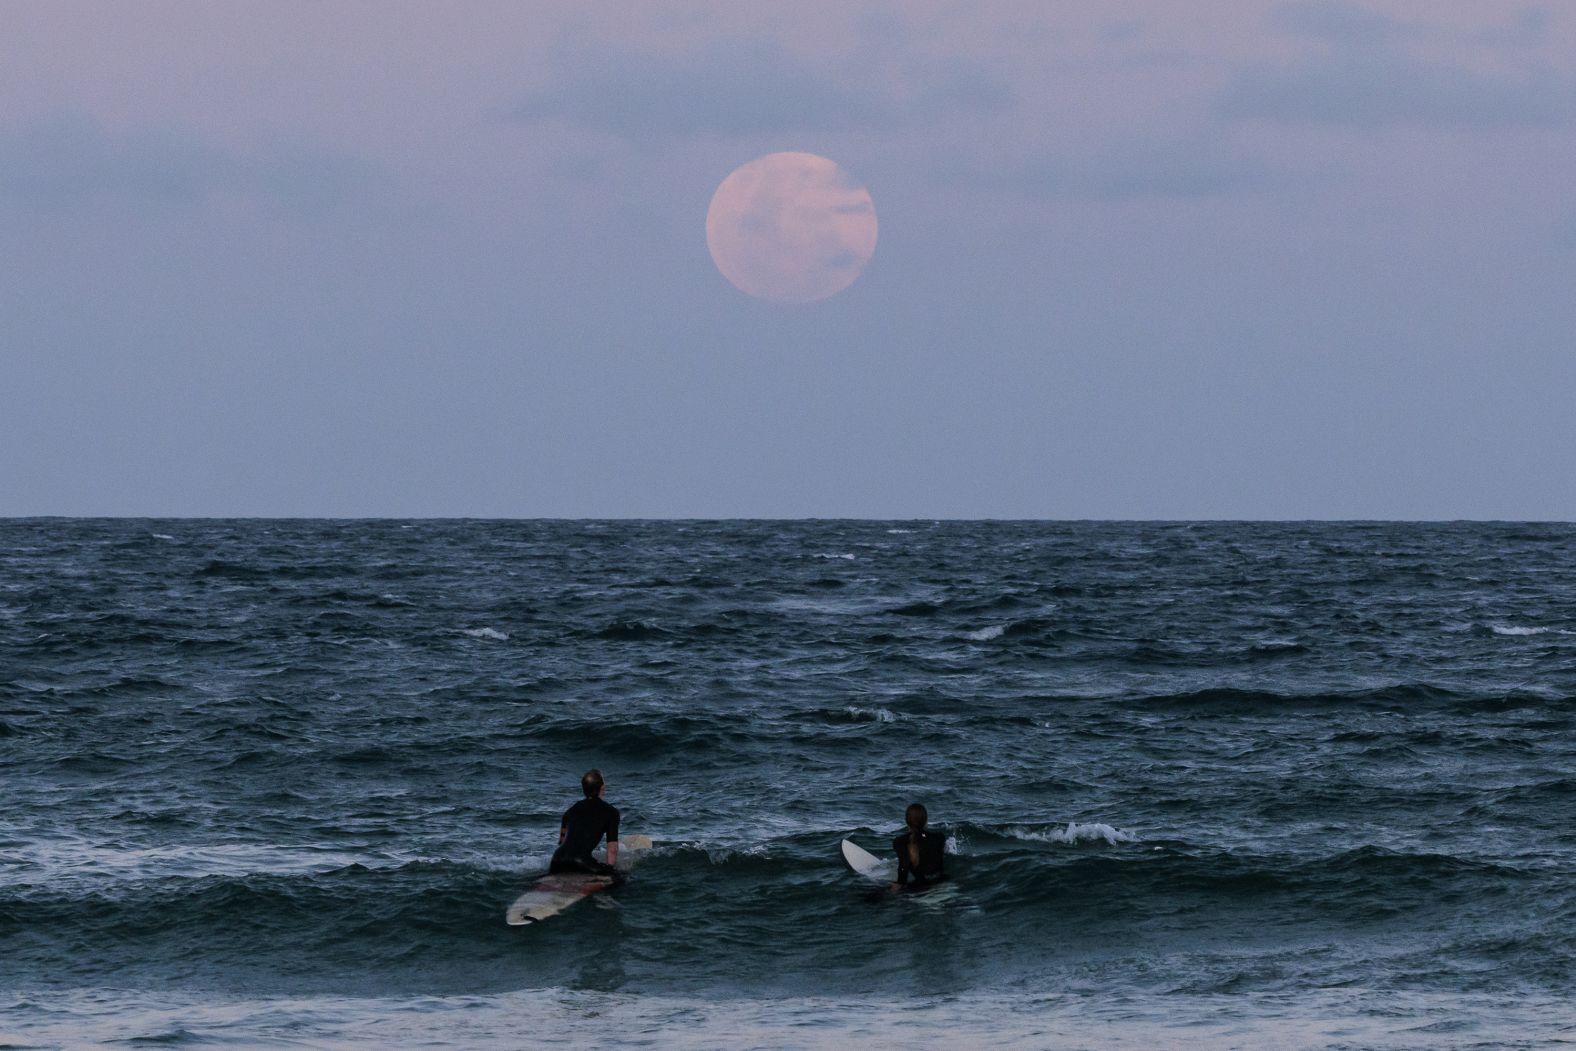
{"x":1310,"y":780}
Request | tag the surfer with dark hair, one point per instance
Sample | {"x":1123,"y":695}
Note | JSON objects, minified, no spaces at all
{"x":583,"y":827}
{"x":919,"y":852}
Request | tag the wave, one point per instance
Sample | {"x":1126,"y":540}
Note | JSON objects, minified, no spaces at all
{"x":1518,"y":630}
{"x":301,"y":902}
{"x":355,"y":917}
{"x":1035,"y":627}
{"x":971,"y":605}
{"x":347,"y":597}
{"x":879,"y":715}
{"x":491,"y":634}
{"x":70,"y":861}
{"x":1090,"y":832}
{"x":1400,"y":696}
{"x":632,"y":631}
{"x":92,"y":763}
{"x":247,"y":572}
{"x":1554,"y":792}
{"x":915,"y":609}
{"x":972,"y":837}
{"x":125,"y":685}
{"x":629,"y":738}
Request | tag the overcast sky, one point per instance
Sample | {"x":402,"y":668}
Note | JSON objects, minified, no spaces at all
{"x":1137,"y":259}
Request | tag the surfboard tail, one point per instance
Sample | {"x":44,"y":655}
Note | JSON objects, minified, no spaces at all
{"x":863,"y":863}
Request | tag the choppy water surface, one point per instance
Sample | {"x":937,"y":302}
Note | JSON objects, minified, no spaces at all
{"x":1207,"y":784}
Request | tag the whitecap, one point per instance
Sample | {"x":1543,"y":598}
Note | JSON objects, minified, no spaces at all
{"x":59,"y":861}
{"x":1514,"y":629}
{"x":995,"y":631}
{"x":849,"y":557}
{"x":899,"y":532}
{"x":878,"y":715}
{"x":487,"y":633}
{"x":161,"y":536}
{"x":721,"y":855}
{"x":1075,"y":832}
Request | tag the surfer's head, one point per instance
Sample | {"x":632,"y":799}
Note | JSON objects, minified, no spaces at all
{"x":591,"y":783}
{"x":915,"y":817}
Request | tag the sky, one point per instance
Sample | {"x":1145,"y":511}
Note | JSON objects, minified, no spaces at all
{"x":1306,"y":259}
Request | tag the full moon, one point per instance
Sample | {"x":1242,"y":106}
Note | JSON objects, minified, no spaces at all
{"x":791,"y":227}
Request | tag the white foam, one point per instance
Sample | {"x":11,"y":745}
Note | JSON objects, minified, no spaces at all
{"x":878,"y":715}
{"x":721,"y":855}
{"x":995,"y":631}
{"x":1075,"y":832}
{"x":1515,"y":629}
{"x":60,"y":861}
{"x":487,"y":633}
{"x":899,"y":532}
{"x":847,"y":556}
{"x":558,"y":1017}
{"x":162,"y":536}
{"x":55,"y":861}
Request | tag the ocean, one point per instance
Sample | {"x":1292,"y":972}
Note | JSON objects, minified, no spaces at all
{"x":273,"y":783}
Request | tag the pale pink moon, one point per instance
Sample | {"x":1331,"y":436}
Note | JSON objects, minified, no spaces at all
{"x":791,"y":227}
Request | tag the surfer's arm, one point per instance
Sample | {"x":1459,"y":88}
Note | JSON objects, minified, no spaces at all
{"x":612,"y":837}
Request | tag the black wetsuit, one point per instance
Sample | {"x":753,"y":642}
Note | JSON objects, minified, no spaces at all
{"x":584,"y":825}
{"x":932,"y":846}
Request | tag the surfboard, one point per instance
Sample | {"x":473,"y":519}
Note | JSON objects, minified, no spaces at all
{"x":552,"y":894}
{"x":883,"y":872}
{"x":866,"y":864}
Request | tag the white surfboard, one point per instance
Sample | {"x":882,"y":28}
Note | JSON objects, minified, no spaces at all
{"x":883,"y":871}
{"x":866,"y":864}
{"x":552,"y":894}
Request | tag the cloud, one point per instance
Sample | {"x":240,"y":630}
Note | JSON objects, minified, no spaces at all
{"x":70,"y":159}
{"x":1564,"y":236}
{"x":1338,"y":21}
{"x":1343,"y":22}
{"x":739,"y":88}
{"x":1197,"y":167}
{"x":1371,"y":90}
{"x":1364,"y":78}
{"x":1529,"y":27}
